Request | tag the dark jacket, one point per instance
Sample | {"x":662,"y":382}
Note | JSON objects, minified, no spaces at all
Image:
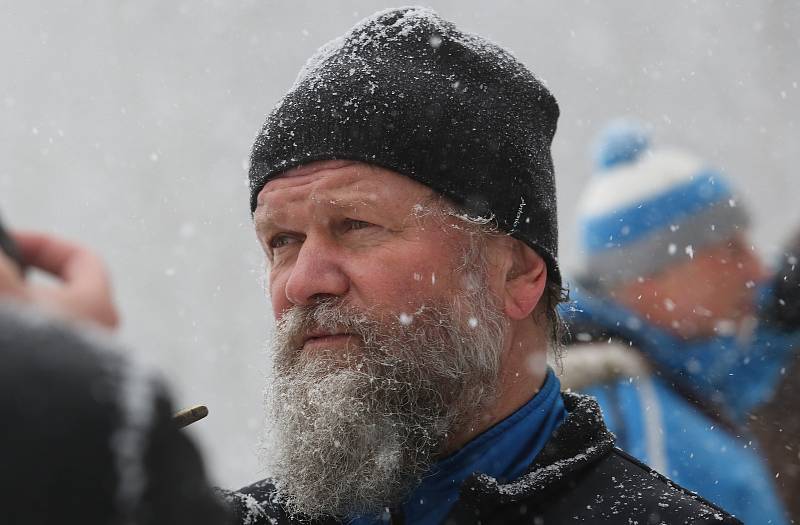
{"x":776,"y":423}
{"x":578,"y":477}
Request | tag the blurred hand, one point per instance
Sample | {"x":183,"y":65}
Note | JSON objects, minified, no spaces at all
{"x":83,"y":291}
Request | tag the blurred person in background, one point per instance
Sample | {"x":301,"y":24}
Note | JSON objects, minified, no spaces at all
{"x":664,"y":327}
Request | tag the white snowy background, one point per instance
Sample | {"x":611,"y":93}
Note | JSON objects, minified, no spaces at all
{"x":127,"y":125}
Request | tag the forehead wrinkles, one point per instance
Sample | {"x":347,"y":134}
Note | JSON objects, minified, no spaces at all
{"x":328,"y":173}
{"x":317,"y":203}
{"x":358,"y":187}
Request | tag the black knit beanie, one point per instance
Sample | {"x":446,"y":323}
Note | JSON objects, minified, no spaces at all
{"x":408,"y":91}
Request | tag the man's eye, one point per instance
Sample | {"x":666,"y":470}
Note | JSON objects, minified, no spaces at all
{"x":353,"y":224}
{"x":280,"y":241}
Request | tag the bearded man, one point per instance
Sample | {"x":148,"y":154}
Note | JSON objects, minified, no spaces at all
{"x":404,"y":196}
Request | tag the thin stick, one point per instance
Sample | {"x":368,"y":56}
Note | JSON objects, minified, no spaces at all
{"x":186,"y":417}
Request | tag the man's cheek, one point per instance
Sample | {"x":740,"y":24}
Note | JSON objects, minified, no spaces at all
{"x":429,"y":279}
{"x":277,"y":296}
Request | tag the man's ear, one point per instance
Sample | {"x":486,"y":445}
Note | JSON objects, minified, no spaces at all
{"x":525,"y":282}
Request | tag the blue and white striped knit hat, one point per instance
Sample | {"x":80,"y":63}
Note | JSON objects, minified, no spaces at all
{"x":645,"y":209}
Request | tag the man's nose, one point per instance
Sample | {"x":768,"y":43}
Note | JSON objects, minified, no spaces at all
{"x":316,"y":274}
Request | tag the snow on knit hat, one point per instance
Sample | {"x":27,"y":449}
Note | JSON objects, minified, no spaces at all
{"x":645,"y":208}
{"x":406,"y":90}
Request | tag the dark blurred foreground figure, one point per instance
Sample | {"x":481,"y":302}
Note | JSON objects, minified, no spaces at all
{"x":776,"y":423}
{"x":403,"y":193}
{"x":665,"y":324}
{"x":86,"y":437}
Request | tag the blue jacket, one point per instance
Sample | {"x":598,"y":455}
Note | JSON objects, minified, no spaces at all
{"x":649,"y":405}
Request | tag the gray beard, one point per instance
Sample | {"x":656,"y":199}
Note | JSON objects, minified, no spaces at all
{"x":354,"y":430}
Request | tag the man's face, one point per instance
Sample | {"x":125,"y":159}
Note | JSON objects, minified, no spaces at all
{"x":709,"y":294}
{"x":388,"y":338}
{"x":360,"y":233}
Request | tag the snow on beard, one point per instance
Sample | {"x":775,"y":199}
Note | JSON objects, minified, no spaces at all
{"x":354,"y":430}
